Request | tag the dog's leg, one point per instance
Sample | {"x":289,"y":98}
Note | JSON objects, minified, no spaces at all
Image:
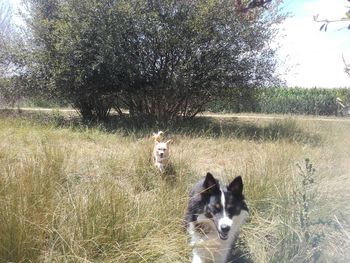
{"x":160,"y":167}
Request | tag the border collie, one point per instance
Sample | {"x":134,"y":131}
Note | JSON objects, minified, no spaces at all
{"x":214,"y":216}
{"x":160,"y":152}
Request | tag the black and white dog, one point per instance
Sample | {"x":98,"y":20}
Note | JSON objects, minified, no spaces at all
{"x":214,"y":216}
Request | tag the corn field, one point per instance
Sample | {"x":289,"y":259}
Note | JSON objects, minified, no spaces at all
{"x":303,"y":101}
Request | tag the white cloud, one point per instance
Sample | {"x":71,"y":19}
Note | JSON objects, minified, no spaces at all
{"x":315,"y":57}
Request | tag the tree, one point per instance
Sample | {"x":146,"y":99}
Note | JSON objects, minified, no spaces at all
{"x":69,"y":54}
{"x":188,"y":52}
{"x":158,"y":58}
{"x":5,"y":28}
{"x":38,"y":53}
{"x":9,"y":43}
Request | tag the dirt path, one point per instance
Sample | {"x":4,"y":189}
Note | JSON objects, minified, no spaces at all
{"x":222,"y":115}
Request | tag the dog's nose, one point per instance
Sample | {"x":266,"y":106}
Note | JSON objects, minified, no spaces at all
{"x":161,"y":155}
{"x":225,"y":228}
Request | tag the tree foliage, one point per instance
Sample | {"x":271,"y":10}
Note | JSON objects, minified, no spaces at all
{"x":5,"y":28}
{"x":159,"y":58}
{"x":10,"y":42}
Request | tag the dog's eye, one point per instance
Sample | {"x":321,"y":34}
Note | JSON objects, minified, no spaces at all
{"x":233,"y":209}
{"x":215,"y":208}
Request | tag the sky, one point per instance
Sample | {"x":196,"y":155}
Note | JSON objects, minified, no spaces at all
{"x":310,"y":57}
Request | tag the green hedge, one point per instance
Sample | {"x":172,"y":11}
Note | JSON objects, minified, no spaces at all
{"x":313,"y":101}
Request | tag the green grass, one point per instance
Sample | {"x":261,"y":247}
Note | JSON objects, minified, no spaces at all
{"x":71,"y":192}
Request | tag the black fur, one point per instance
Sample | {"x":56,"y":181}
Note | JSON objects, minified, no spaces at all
{"x":206,"y":193}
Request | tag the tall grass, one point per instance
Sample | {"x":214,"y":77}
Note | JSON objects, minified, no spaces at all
{"x":27,"y":199}
{"x":93,"y":195}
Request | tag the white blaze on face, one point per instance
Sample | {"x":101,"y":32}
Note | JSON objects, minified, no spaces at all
{"x":225,"y":220}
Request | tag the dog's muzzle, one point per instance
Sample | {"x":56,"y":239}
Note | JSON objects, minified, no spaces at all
{"x":223,"y":231}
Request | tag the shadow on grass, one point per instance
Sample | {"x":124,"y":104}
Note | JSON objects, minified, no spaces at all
{"x":211,"y":127}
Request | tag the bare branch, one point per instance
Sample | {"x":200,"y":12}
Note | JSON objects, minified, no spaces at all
{"x":347,"y":66}
{"x":326,"y":22}
{"x":243,"y":6}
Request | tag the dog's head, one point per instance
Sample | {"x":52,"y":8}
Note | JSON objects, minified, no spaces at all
{"x":225,"y":206}
{"x":161,"y":149}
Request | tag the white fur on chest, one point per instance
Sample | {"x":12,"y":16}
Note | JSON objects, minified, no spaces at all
{"x":208,"y":247}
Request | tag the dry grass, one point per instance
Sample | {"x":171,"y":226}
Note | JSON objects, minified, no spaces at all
{"x":90,"y":194}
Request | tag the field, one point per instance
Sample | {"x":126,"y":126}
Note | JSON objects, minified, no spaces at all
{"x":71,"y":192}
{"x":283,"y":100}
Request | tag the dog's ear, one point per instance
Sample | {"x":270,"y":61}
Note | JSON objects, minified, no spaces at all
{"x":210,"y":184}
{"x":157,"y":136}
{"x":236,"y":187}
{"x":168,"y":141}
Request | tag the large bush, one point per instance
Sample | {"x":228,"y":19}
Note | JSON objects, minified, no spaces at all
{"x":156,"y":58}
